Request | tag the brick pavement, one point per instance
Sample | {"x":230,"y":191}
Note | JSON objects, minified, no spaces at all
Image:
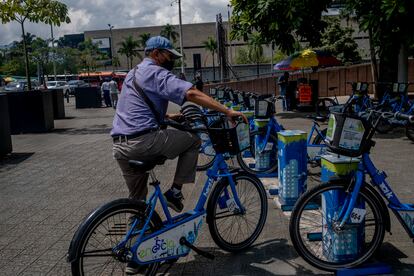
{"x":53,"y":180}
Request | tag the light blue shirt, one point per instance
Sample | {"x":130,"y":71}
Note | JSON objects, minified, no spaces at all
{"x":160,"y":85}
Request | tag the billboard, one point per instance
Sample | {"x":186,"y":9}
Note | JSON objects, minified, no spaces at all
{"x":104,"y":46}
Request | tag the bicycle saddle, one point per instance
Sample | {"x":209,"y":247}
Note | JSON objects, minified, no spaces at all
{"x":146,"y":165}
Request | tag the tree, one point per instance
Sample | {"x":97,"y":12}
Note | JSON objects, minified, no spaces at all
{"x":40,"y":54}
{"x":88,"y":55}
{"x":143,"y":39}
{"x":211,"y":45}
{"x":388,"y":23}
{"x":281,"y":22}
{"x":46,"y":11}
{"x":339,"y":41}
{"x":129,"y":49}
{"x":255,"y":50}
{"x":169,"y":32}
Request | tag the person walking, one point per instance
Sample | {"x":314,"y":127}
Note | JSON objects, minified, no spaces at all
{"x":105,"y":93}
{"x":113,"y":90}
{"x":283,"y":83}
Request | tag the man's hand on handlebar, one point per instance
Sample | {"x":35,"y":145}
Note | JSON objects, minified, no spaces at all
{"x":231,"y":114}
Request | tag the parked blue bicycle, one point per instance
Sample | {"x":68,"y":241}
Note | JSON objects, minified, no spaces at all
{"x":127,"y":231}
{"x":342,"y":224}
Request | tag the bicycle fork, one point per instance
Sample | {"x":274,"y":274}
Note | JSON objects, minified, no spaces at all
{"x":351,"y":200}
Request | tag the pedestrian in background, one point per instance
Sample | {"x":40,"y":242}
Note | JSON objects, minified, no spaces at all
{"x":105,"y":93}
{"x":113,"y":90}
{"x":283,"y":83}
{"x":199,"y":82}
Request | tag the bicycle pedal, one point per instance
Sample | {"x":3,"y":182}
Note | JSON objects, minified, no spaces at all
{"x":183,"y":241}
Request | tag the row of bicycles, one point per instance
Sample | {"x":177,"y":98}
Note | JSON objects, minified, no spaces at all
{"x":395,"y":99}
{"x":332,"y":226}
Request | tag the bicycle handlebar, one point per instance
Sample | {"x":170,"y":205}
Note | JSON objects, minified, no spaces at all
{"x":402,"y":116}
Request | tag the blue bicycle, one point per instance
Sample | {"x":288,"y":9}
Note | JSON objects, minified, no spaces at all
{"x":342,"y":224}
{"x":127,"y":231}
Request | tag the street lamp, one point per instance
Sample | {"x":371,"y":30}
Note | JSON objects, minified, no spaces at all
{"x":112,"y":53}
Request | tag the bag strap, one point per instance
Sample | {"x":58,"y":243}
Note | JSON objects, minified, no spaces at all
{"x":146,"y":99}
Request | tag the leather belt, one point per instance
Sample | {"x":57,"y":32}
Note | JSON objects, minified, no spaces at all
{"x":124,"y":138}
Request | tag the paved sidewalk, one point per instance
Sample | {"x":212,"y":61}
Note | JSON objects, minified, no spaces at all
{"x":53,"y":180}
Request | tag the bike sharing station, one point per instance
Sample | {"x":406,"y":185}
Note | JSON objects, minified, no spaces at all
{"x":293,"y":153}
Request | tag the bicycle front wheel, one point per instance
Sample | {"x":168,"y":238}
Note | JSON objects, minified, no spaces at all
{"x":94,"y":242}
{"x":232,"y":229}
{"x":409,"y":132}
{"x":255,"y":162}
{"x":318,"y":238}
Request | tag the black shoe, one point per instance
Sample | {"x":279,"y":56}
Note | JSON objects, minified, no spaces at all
{"x":174,"y":200}
{"x":134,"y":268}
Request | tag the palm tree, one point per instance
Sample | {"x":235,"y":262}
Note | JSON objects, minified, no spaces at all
{"x":211,"y":45}
{"x":169,"y":32}
{"x":129,"y":49}
{"x":255,"y":50}
{"x":143,"y":39}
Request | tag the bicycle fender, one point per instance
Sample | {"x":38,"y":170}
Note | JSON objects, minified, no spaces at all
{"x":381,"y":203}
{"x":77,"y":237}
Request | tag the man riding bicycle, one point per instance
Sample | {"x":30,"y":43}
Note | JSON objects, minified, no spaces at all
{"x":142,"y":107}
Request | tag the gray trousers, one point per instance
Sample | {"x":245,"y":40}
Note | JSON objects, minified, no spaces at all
{"x":167,"y":143}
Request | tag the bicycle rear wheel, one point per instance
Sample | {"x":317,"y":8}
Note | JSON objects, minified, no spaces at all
{"x":231,"y":229}
{"x":93,"y":243}
{"x":409,"y":132}
{"x":315,"y":233}
{"x":248,"y":159}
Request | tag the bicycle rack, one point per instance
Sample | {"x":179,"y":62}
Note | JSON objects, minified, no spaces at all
{"x":366,"y":269}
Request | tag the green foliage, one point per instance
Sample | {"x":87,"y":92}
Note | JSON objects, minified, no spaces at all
{"x":129,"y":49}
{"x":242,"y":56}
{"x":88,"y":54}
{"x":38,"y":11}
{"x":339,"y":41}
{"x":169,"y":32}
{"x":281,"y":22}
{"x":143,"y":39}
{"x":210,"y":45}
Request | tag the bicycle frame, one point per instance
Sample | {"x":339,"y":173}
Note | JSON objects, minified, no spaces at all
{"x":272,"y":127}
{"x":218,"y":170}
{"x":366,"y":166}
{"x":315,"y":150}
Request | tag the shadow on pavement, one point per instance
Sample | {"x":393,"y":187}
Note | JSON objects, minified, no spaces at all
{"x":95,"y":129}
{"x":250,"y":262}
{"x":391,"y":255}
{"x":14,"y":158}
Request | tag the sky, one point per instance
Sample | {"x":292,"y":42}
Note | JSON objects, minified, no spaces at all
{"x":97,"y":14}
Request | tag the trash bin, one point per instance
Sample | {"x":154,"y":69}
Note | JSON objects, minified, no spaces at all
{"x":348,"y":243}
{"x":88,"y":97}
{"x":5,"y":135}
{"x":292,"y":170}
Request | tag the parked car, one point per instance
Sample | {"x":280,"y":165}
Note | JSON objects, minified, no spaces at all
{"x":20,"y":86}
{"x":74,"y":84}
{"x":59,"y":85}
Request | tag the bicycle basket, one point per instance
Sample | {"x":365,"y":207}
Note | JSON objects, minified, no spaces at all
{"x":230,"y":139}
{"x":347,"y":134}
{"x":264,"y":109}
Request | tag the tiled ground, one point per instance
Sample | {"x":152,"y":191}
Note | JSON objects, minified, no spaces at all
{"x":53,"y":180}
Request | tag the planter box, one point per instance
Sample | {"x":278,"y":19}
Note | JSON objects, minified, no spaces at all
{"x":58,"y":104}
{"x":88,"y":97}
{"x":5,"y":135}
{"x":31,"y":111}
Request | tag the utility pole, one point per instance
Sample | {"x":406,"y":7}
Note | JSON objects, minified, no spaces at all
{"x":53,"y":52}
{"x":112,"y":51}
{"x":181,"y":36}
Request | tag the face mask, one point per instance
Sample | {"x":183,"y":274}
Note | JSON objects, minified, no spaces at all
{"x":168,"y":64}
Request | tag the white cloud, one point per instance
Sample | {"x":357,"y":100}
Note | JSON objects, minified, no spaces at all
{"x":96,"y":14}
